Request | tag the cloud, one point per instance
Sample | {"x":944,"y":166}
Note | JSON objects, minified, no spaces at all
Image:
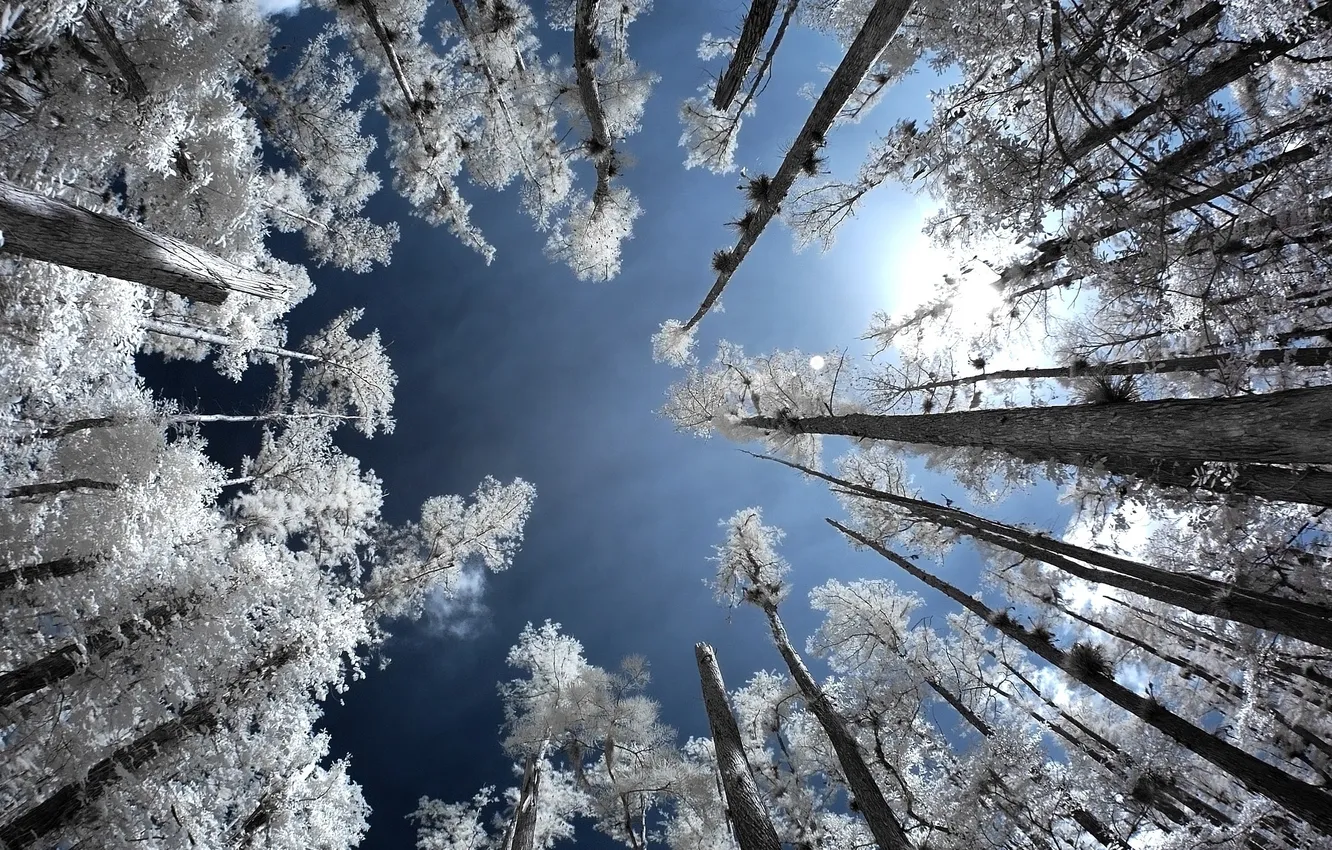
{"x":456,"y":608}
{"x":278,"y":7}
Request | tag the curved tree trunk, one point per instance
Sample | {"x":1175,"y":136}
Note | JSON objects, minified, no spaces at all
{"x":1308,"y":802}
{"x":55,"y":231}
{"x":887,"y":830}
{"x":744,"y":808}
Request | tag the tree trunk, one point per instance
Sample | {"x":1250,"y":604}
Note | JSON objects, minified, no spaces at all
{"x":1308,"y":802}
{"x":860,"y":781}
{"x":585,"y":60}
{"x":1306,"y":357}
{"x":57,"y":568}
{"x":874,"y":35}
{"x":55,"y":488}
{"x":200,"y":335}
{"x":757,"y":22}
{"x":55,"y":231}
{"x":69,"y":802}
{"x":744,"y":808}
{"x":1202,"y":595}
{"x":115,"y":51}
{"x":68,"y":660}
{"x":521,"y":834}
{"x":1285,"y":427}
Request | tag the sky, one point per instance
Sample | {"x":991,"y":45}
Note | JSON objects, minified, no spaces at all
{"x":519,"y":370}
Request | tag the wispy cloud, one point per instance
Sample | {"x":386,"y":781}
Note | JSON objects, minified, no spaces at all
{"x":456,"y":609}
{"x":278,"y":7}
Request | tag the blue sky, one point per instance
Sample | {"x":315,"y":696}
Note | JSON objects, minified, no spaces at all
{"x":517,"y":369}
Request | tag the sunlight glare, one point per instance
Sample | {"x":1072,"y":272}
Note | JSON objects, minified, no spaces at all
{"x":817,"y":362}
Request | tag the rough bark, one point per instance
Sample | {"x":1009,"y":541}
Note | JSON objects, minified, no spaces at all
{"x":744,"y":808}
{"x":70,"y":801}
{"x":884,"y":825}
{"x":1286,"y":427}
{"x":1308,"y":802}
{"x":874,"y":35}
{"x":56,"y":568}
{"x":55,"y":488}
{"x":757,"y":22}
{"x":59,"y":232}
{"x":522,"y":829}
{"x":68,"y":660}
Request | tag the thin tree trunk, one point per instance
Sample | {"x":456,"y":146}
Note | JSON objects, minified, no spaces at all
{"x":1305,"y":357}
{"x":585,"y":61}
{"x":1302,"y":620}
{"x":68,"y":660}
{"x":744,"y":808}
{"x":874,"y":35}
{"x":57,"y":568}
{"x":758,"y":20}
{"x":59,"y":232}
{"x":70,"y":801}
{"x":55,"y":488}
{"x":115,"y":51}
{"x":1308,"y":802}
{"x":887,"y":830}
{"x":199,"y":335}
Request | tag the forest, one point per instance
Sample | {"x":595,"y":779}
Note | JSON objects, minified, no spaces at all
{"x":1112,"y":630}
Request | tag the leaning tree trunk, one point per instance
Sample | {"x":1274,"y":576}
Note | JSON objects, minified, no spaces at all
{"x":12,"y":577}
{"x":878,"y":29}
{"x":69,"y":802}
{"x":887,"y":830}
{"x":1286,"y":427}
{"x":55,"y":488}
{"x":757,"y":21}
{"x":521,"y":832}
{"x":68,"y":660}
{"x":1304,"y":621}
{"x":744,"y":808}
{"x":1308,"y":802}
{"x":54,"y":231}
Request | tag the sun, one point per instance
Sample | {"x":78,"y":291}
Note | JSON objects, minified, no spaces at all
{"x":817,"y":362}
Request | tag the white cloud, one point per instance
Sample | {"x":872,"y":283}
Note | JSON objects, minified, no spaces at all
{"x":456,"y":608}
{"x":278,"y":7}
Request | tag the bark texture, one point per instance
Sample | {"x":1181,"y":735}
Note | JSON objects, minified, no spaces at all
{"x":757,"y":22}
{"x":887,"y":830}
{"x":1308,"y":802}
{"x":55,"y":488}
{"x":744,"y":808}
{"x":59,"y":232}
{"x":585,"y":63}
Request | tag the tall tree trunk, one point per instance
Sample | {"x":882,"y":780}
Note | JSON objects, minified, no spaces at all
{"x":1305,"y":357}
{"x":744,"y":808}
{"x":55,"y":488}
{"x":1202,"y":595}
{"x":68,"y":660}
{"x":887,"y":830}
{"x":70,"y":801}
{"x":757,"y":22}
{"x":57,"y":568}
{"x":1285,"y":427}
{"x":199,"y":335}
{"x":59,"y":232}
{"x":874,"y":35}
{"x":1308,"y":802}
